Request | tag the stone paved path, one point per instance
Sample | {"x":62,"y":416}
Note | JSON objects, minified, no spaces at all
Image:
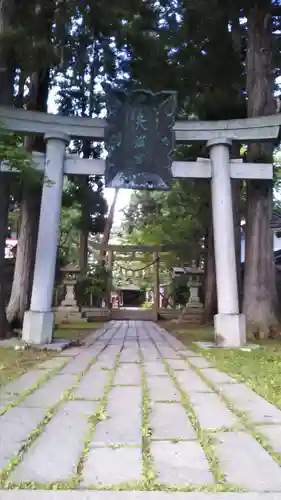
{"x":134,"y":410}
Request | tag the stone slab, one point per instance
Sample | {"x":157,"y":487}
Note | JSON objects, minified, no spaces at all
{"x":53,"y":457}
{"x":78,"y":364}
{"x":6,"y":401}
{"x":92,"y":385}
{"x":15,"y":427}
{"x":191,"y":382}
{"x":129,"y":355}
{"x":213,"y":345}
{"x":50,"y":392}
{"x":128,"y":373}
{"x":109,"y":354}
{"x":23,"y":383}
{"x":109,"y":466}
{"x":123,"y":399}
{"x":168,"y":353}
{"x":108,"y":363}
{"x":130,"y":495}
{"x":182,"y":463}
{"x":188,"y":353}
{"x":170,"y":421}
{"x":272,"y":434}
{"x":71,"y":352}
{"x":150,"y":354}
{"x":246,"y":463}
{"x":178,"y":364}
{"x":211,"y":412}
{"x":162,"y":389}
{"x":258,"y":409}
{"x":124,"y":422}
{"x":171,"y":341}
{"x":201,"y":362}
{"x":154,"y":368}
{"x":55,"y":345}
{"x":217,"y":377}
{"x":8,"y":343}
{"x":52,"y":363}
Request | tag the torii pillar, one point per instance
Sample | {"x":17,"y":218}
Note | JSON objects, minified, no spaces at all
{"x":230,"y":325}
{"x":38,"y":322}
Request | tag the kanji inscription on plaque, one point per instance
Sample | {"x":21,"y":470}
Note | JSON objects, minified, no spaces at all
{"x":139,"y":139}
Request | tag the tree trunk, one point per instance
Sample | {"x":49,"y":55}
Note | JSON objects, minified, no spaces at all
{"x":83,"y":248}
{"x":7,"y":73}
{"x":30,"y":210}
{"x":260,"y":296}
{"x":236,"y":197}
{"x":210,"y":291}
{"x":25,"y":259}
{"x":108,"y":225}
{"x":84,"y":222}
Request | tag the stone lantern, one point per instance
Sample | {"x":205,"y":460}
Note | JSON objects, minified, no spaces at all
{"x":193,"y":283}
{"x":70,"y":277}
{"x":68,"y":310}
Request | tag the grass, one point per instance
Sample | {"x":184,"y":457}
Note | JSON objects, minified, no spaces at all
{"x":259,"y":368}
{"x":14,"y":363}
{"x":187,"y":334}
{"x":149,"y":474}
{"x":73,"y":331}
{"x":99,"y":415}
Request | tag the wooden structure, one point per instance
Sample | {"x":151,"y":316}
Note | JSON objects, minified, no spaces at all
{"x":112,"y":252}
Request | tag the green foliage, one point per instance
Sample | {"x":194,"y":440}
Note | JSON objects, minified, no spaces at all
{"x":177,"y":217}
{"x":147,"y":305}
{"x":94,"y":284}
{"x":179,"y":290}
{"x":18,"y":158}
{"x":69,"y":233}
{"x":86,"y":195}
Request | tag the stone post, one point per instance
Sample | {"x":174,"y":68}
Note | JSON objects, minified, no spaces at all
{"x":38,"y":322}
{"x":194,"y":290}
{"x":156,"y":283}
{"x":229,"y":324}
{"x":70,"y":300}
{"x":110,"y":261}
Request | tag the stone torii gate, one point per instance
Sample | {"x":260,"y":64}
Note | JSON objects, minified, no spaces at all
{"x":59,"y":130}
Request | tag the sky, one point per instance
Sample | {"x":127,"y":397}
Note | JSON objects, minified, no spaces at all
{"x":124,"y":195}
{"x":123,"y":200}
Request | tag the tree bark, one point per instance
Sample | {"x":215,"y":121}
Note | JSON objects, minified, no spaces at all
{"x":236,"y":197}
{"x":7,"y":62}
{"x":260,"y":296}
{"x":7,"y":74}
{"x":210,"y":291}
{"x":83,"y":248}
{"x":30,"y":209}
{"x":25,"y":259}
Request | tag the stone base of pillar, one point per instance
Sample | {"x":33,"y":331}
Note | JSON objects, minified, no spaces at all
{"x":194,"y":305}
{"x":230,"y":330}
{"x":69,"y":303}
{"x":69,"y":315}
{"x":38,"y":327}
{"x":68,"y":309}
